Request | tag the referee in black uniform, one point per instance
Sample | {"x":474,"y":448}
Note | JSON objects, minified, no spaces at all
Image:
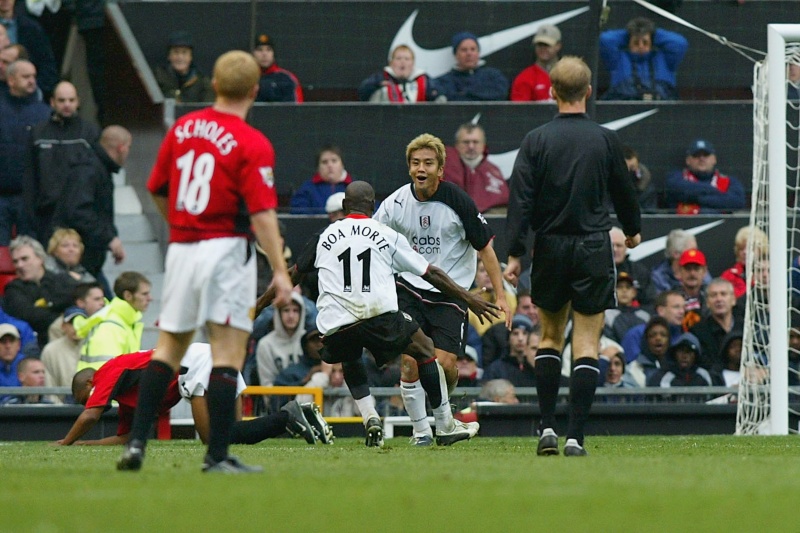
{"x":562,"y":174}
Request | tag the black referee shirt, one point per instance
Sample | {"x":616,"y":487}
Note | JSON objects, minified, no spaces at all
{"x":564,"y":171}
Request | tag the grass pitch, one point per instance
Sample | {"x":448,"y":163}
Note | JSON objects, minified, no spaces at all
{"x":720,"y":483}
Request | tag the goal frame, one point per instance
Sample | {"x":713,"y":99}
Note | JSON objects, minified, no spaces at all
{"x":777,"y":37}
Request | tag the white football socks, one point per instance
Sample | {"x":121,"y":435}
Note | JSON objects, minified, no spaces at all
{"x":366,"y":406}
{"x":414,"y":401}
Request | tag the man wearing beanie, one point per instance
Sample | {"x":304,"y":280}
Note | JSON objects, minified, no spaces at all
{"x":469,"y":80}
{"x":276,"y":84}
{"x":179,"y":77}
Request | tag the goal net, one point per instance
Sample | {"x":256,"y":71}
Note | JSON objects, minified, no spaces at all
{"x":766,"y":401}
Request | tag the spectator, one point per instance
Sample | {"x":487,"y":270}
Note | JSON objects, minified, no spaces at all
{"x":645,"y":188}
{"x":23,"y":30}
{"x":301,"y":372}
{"x":516,"y":365}
{"x":737,"y":273}
{"x":616,"y":376}
{"x":533,"y":83}
{"x":642,"y":61}
{"x":60,"y":147}
{"x":469,"y":80}
{"x":671,"y":306}
{"x":179,"y":78}
{"x":10,"y":356}
{"x":90,"y":18}
{"x":55,"y":19}
{"x":400,"y":82}
{"x":793,"y":82}
{"x":665,"y":275}
{"x":625,"y":316}
{"x":65,"y":250}
{"x":19,"y":111}
{"x":333,"y":206}
{"x":652,"y":354}
{"x":700,"y":187}
{"x":469,"y":373}
{"x":714,"y":327}
{"x":682,"y":368}
{"x":60,"y":356}
{"x":731,"y":355}
{"x":467,"y":165}
{"x":282,"y":347}
{"x":330,"y":178}
{"x":117,"y":328}
{"x":692,"y":273}
{"x":90,"y":298}
{"x":494,"y":391}
{"x":5,"y":42}
{"x":88,"y":204}
{"x":276,"y":84}
{"x":495,"y":340}
{"x":30,"y":346}
{"x":30,"y":372}
{"x":645,"y":292}
{"x":794,"y":350}
{"x":7,"y":56}
{"x":36,"y":296}
{"x":484,"y":287}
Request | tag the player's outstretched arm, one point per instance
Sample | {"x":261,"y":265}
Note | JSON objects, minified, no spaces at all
{"x":437,"y":277}
{"x":265,"y":226}
{"x":86,"y":421}
{"x":266,"y":299}
{"x":492,"y":266}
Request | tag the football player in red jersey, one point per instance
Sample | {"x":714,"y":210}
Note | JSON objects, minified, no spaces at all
{"x":212,"y":181}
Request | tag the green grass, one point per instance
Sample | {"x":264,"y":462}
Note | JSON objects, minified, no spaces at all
{"x":720,"y":483}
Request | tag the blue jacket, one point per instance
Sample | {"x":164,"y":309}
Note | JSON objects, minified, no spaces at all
{"x":481,"y":84}
{"x":28,"y":342}
{"x":633,"y":342}
{"x":17,"y":117}
{"x":310,"y":198}
{"x":656,"y":71}
{"x":8,"y":372}
{"x":703,"y":193}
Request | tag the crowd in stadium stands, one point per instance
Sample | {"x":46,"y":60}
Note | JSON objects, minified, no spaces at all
{"x":675,"y":325}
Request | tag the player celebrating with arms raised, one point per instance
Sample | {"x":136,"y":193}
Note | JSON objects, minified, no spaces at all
{"x":562,"y":174}
{"x":212,"y":179}
{"x":442,"y":223}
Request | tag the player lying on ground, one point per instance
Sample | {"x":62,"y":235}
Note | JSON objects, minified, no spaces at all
{"x":118,"y":380}
{"x":356,"y":259}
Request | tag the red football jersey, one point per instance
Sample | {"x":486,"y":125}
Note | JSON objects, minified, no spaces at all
{"x":118,"y":379}
{"x":216,"y":171}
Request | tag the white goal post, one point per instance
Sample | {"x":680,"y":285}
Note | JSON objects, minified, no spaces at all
{"x":763,"y":402}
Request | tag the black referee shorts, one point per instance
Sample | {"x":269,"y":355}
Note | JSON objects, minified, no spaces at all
{"x":386,"y":336}
{"x":573,"y":268}
{"x":441,"y":318}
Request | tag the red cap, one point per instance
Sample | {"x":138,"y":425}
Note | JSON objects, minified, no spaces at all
{"x":692,"y":256}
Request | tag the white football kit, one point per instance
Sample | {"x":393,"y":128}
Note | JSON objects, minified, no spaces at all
{"x":356,"y":259}
{"x":197,"y":363}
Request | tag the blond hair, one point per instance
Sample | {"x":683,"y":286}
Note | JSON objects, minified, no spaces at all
{"x":571,"y":78}
{"x":61,"y":234}
{"x":235,"y":74}
{"x":426,"y":140}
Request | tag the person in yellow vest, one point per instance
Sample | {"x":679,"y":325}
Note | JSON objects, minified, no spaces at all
{"x":117,"y":328}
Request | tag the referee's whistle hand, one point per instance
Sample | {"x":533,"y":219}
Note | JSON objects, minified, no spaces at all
{"x":512,"y":270}
{"x":633,"y":241}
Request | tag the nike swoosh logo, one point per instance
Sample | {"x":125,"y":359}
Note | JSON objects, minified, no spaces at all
{"x":439,"y":61}
{"x":659,"y":244}
{"x":505,"y":160}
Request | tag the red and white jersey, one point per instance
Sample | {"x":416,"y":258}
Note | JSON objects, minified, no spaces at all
{"x":216,"y":171}
{"x":357,"y":258}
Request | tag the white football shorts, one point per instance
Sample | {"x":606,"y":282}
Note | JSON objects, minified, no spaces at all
{"x":208,"y":281}
{"x":197,"y":362}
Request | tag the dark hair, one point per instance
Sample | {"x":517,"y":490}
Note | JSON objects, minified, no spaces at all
{"x":81,"y":291}
{"x":656,"y":321}
{"x":640,"y":26}
{"x":661,"y":299}
{"x":80,"y":378}
{"x":128,"y":281}
{"x":629,"y":153}
{"x":329,"y":148}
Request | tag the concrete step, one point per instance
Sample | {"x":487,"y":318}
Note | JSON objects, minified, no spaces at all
{"x":134,"y":228}
{"x":144,"y":257}
{"x":126,"y":201}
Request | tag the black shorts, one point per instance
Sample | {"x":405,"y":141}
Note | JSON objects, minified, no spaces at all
{"x":573,"y":268}
{"x":441,"y":318}
{"x":386,"y":336}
